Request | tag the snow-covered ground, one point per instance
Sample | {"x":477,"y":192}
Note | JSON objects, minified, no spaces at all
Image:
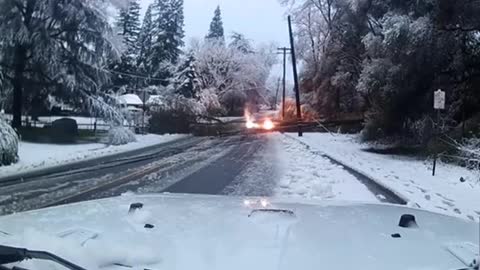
{"x":284,"y":168}
{"x":306,"y":175}
{"x":34,"y":156}
{"x":408,"y":177}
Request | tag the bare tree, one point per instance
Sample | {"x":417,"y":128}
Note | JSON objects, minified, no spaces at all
{"x":315,"y":21}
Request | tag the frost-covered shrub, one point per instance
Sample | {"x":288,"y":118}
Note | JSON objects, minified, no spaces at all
{"x":170,"y":122}
{"x":469,"y":149}
{"x":373,"y":129}
{"x":174,"y":114}
{"x":8,"y":144}
{"x":234,"y":102}
{"x":469,"y":155}
{"x":210,"y":102}
{"x":308,"y":113}
{"x":120,"y":135}
{"x":176,"y":119}
{"x":421,"y":130}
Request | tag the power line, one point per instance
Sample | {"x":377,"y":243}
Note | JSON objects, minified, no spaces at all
{"x":136,"y":76}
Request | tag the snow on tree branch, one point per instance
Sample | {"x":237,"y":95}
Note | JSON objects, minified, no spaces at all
{"x":470,"y":149}
{"x":120,"y":135}
{"x":105,"y":107}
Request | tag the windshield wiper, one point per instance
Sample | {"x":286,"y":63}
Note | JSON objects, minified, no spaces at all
{"x":13,"y":255}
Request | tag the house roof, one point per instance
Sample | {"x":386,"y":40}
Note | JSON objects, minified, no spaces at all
{"x":130,"y":99}
{"x":155,"y":100}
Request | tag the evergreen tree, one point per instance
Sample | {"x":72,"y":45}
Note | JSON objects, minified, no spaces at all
{"x":52,"y":46}
{"x":216,"y":31}
{"x":241,"y":43}
{"x":129,"y":26}
{"x":145,"y":40}
{"x":167,"y":35}
{"x":186,"y":81}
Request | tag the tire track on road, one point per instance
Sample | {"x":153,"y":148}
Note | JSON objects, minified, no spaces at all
{"x":177,"y":168}
{"x":215,"y":177}
{"x":78,"y":171}
{"x":59,"y":190}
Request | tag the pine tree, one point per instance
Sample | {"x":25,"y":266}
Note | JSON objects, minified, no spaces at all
{"x":167,"y":34}
{"x":129,"y":26}
{"x":216,"y":31}
{"x":241,"y":43}
{"x":186,"y":81}
{"x":51,"y":45}
{"x":145,"y":40}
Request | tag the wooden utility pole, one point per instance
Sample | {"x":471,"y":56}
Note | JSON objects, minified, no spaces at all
{"x":295,"y":77}
{"x":284,"y":51}
{"x":276,"y":95}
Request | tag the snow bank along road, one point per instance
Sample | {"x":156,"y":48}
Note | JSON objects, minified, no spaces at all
{"x":408,"y":177}
{"x":251,"y":165}
{"x":43,"y":159}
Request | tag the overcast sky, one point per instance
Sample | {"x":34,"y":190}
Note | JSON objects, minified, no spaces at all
{"x":262,"y":21}
{"x":259,"y":20}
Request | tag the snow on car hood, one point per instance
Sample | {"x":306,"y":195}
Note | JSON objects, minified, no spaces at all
{"x":214,"y":232}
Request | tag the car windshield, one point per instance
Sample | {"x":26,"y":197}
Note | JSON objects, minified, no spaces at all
{"x":172,"y":110}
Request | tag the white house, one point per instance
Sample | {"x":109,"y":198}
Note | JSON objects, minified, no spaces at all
{"x":131,"y":101}
{"x":134,"y":105}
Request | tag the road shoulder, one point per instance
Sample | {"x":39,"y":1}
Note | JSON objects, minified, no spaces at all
{"x":69,"y":157}
{"x":409,"y":177}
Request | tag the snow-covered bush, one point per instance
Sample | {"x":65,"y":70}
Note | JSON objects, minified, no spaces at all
{"x":210,"y":102}
{"x":174,"y":114}
{"x":373,"y":127}
{"x":421,"y":129}
{"x":234,"y":101}
{"x":169,"y":122}
{"x":8,"y":144}
{"x":119,"y":135}
{"x":470,"y":150}
{"x":308,"y":113}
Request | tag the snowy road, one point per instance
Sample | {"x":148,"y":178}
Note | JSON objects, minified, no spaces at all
{"x":245,"y":165}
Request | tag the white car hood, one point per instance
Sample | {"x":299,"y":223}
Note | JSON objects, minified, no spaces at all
{"x":214,"y":232}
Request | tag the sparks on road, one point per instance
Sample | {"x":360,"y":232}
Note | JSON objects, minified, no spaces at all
{"x":251,"y":125}
{"x":268,"y":124}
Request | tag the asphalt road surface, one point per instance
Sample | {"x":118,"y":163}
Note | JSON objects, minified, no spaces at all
{"x":206,"y":165}
{"x":194,"y":165}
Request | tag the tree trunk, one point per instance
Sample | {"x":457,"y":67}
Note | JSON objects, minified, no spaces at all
{"x":20,"y":59}
{"x":337,"y":100}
